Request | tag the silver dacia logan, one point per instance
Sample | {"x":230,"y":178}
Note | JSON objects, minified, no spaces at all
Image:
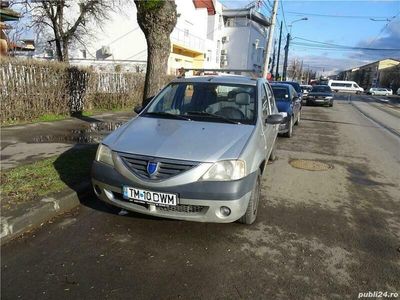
{"x":196,"y":152}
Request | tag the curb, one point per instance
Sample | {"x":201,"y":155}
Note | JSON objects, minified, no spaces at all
{"x":46,"y":209}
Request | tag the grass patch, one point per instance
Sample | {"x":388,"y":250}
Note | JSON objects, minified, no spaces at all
{"x":45,"y":177}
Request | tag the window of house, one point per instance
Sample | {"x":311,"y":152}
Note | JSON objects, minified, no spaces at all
{"x":83,"y":53}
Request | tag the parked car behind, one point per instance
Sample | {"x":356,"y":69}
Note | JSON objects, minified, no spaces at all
{"x":320,"y":94}
{"x":289,"y":104}
{"x":305,"y":88}
{"x":196,"y":152}
{"x":378,"y":92}
{"x":296,"y":87}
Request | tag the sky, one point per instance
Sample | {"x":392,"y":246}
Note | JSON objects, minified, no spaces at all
{"x":362,"y":24}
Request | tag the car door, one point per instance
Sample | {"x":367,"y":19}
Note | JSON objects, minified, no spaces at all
{"x":270,"y":131}
{"x":296,"y":102}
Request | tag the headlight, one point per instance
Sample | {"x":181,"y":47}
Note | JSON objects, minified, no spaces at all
{"x":283,"y":114}
{"x":104,"y":155}
{"x":328,"y":98}
{"x":225,"y":170}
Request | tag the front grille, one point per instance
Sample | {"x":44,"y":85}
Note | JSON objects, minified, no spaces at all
{"x":166,"y":167}
{"x":182,"y":208}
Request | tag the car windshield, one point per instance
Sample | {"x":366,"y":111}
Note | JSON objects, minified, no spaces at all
{"x":294,"y":84}
{"x":321,"y":89}
{"x":206,"y":101}
{"x":281,"y":93}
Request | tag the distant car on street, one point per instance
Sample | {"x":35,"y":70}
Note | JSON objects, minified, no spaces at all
{"x":345,"y":86}
{"x":379,"y":92}
{"x":320,"y":94}
{"x":305,"y":89}
{"x":289,"y":105}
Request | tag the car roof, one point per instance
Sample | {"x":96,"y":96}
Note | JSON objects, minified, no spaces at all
{"x":286,"y":85}
{"x":227,"y":79}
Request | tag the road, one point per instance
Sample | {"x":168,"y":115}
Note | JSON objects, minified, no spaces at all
{"x":331,"y":234}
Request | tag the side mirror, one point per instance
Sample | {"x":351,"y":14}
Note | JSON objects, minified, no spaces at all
{"x":274,"y":119}
{"x":147,"y":101}
{"x":138,"y":109}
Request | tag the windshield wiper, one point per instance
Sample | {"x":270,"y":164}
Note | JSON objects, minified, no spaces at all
{"x":169,"y":115}
{"x":204,"y":113}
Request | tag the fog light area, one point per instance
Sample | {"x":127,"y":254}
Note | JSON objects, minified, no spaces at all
{"x":225,"y":211}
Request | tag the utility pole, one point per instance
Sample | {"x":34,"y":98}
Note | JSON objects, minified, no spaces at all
{"x":285,"y":63}
{"x":279,"y":54}
{"x":273,"y":59}
{"x":270,"y":38}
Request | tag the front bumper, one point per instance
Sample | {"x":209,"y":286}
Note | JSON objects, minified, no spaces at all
{"x":319,"y":101}
{"x":198,"y":201}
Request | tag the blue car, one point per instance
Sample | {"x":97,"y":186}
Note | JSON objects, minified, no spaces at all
{"x":289,"y":105}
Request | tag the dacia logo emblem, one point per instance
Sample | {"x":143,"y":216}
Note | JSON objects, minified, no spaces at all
{"x":152,"y":168}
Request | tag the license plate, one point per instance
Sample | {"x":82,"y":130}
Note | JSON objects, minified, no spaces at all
{"x":144,"y":196}
{"x":319,"y":100}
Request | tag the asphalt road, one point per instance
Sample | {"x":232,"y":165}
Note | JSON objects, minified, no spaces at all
{"x":320,"y":234}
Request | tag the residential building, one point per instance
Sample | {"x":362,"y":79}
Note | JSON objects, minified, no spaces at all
{"x":244,"y":41}
{"x":122,"y":43}
{"x":369,"y":75}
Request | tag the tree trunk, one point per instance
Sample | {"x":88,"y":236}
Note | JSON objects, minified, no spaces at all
{"x":157,"y":19}
{"x":65,"y":51}
{"x":158,"y":51}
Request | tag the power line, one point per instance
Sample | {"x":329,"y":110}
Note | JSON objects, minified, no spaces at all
{"x":331,"y":45}
{"x":342,"y":48}
{"x":337,"y":16}
{"x":283,"y":15}
{"x":383,"y":29}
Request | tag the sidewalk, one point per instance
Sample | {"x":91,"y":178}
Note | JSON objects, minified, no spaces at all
{"x":22,"y":144}
{"x":25,"y":144}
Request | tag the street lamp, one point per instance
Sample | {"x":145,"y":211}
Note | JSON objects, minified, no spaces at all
{"x":285,"y":63}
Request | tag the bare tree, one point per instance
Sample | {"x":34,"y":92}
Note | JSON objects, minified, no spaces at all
{"x":157,"y":19}
{"x":69,"y":27}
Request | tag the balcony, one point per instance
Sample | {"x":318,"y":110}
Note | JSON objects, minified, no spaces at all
{"x":188,"y":40}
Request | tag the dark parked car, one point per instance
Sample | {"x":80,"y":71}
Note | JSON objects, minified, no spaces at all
{"x":320,"y":94}
{"x":289,"y":105}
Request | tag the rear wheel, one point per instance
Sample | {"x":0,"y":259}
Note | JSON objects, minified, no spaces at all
{"x":290,"y":128}
{"x":298,"y":118}
{"x":252,"y":208}
{"x":272,"y":156}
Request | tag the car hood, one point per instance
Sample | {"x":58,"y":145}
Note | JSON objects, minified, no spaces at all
{"x":180,"y":139}
{"x":283,"y":106}
{"x":320,"y":94}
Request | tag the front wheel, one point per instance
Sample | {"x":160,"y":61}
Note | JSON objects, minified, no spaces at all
{"x":252,"y":208}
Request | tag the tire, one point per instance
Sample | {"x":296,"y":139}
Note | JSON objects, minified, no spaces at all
{"x":331,"y":104}
{"x":272,"y":156}
{"x":386,"y":94}
{"x":252,"y":208}
{"x":298,"y":118}
{"x":289,"y":134}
